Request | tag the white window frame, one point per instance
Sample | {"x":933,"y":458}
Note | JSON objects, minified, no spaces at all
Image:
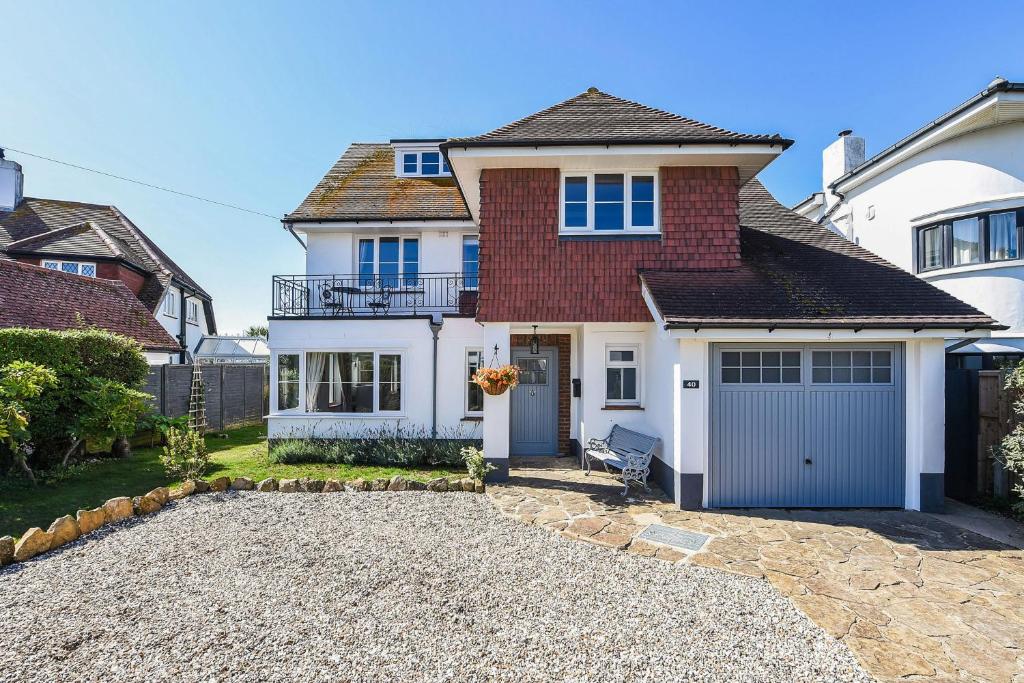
{"x":192,"y":311}
{"x":59,"y":266}
{"x":462,"y":259}
{"x":302,"y":409}
{"x":275,"y":374}
{"x":628,"y":228}
{"x":401,"y":256}
{"x":465,"y":402}
{"x":418,"y":153}
{"x":636,"y":363}
{"x":851,"y":350}
{"x":170,"y":305}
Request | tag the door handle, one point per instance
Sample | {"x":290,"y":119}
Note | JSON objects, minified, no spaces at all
{"x":807,"y":461}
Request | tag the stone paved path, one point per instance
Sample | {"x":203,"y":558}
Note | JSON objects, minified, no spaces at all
{"x":914,"y":598}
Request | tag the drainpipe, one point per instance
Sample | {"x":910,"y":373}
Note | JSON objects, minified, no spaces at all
{"x":435,"y":329}
{"x":182,"y":326}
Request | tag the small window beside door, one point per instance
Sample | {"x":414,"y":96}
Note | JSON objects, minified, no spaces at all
{"x":622,"y":376}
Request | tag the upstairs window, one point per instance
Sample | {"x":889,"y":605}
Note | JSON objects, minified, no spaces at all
{"x":73,"y":267}
{"x":395,"y":260}
{"x":423,"y":163}
{"x":982,"y":238}
{"x":609,"y":203}
{"x":170,"y":304}
{"x":192,"y":311}
{"x":471,"y":261}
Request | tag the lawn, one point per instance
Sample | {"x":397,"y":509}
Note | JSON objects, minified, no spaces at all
{"x":243,"y":453}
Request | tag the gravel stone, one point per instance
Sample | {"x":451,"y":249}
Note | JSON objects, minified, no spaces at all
{"x":415,"y":586}
{"x":6,"y":550}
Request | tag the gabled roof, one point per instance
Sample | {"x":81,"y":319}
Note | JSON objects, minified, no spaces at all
{"x":597,"y":118}
{"x":796,"y":273}
{"x":34,"y":297}
{"x":36,"y":217}
{"x":362,"y":186}
{"x":83,"y":239}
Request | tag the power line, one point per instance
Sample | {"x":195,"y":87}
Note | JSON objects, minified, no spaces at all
{"x":140,"y":182}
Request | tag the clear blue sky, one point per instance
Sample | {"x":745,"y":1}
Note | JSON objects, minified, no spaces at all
{"x":249,"y":103}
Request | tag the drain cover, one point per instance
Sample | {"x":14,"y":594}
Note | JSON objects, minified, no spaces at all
{"x":687,"y":540}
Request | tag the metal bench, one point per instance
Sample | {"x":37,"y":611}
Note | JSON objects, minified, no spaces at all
{"x":625,"y":450}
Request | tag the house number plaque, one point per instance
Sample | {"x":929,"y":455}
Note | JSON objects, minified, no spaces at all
{"x":691,"y":384}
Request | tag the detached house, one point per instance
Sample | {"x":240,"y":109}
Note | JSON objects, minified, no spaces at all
{"x":630,"y":263}
{"x":98,"y":241}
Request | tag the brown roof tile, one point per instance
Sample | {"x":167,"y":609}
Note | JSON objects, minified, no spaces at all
{"x":362,"y":186}
{"x":796,"y":273}
{"x":595,"y":117}
{"x":35,"y":297}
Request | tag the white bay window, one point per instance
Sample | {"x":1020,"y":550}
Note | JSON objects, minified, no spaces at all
{"x":346,"y":382}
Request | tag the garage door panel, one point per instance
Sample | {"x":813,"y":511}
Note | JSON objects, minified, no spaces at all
{"x":763,"y":435}
{"x":766,"y":422}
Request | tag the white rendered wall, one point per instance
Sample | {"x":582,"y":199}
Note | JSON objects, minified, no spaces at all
{"x":926,"y":414}
{"x":976,"y":172}
{"x":194,"y":332}
{"x":411,"y":338}
{"x":497,"y":409}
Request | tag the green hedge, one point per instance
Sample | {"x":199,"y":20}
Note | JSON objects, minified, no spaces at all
{"x":79,"y":358}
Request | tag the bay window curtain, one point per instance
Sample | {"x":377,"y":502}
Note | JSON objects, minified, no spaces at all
{"x":1002,"y":236}
{"x":315,"y":363}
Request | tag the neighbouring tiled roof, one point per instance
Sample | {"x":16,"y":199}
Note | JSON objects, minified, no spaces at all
{"x":31,"y":296}
{"x":796,"y":273}
{"x":84,"y":239}
{"x":35,"y":218}
{"x":362,"y":186}
{"x":595,"y":117}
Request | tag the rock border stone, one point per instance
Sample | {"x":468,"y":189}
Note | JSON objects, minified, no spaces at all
{"x":66,"y":529}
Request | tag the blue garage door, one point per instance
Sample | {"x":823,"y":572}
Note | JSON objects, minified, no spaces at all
{"x":807,"y":426}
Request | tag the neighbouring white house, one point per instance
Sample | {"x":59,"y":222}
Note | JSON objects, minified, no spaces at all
{"x":630,"y":263}
{"x":947,"y":203}
{"x":98,"y":241}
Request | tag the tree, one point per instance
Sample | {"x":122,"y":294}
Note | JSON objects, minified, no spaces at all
{"x":260,"y":331}
{"x":20,"y":382}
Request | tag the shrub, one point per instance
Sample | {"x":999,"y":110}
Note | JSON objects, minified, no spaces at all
{"x":475,"y":463}
{"x":95,"y":397}
{"x":384,"y":445}
{"x":185,"y":455}
{"x":1010,"y":452}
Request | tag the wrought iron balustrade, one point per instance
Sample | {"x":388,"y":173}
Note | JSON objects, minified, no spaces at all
{"x":379,"y":295}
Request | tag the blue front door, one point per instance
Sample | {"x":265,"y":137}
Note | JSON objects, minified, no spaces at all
{"x":534,"y":429}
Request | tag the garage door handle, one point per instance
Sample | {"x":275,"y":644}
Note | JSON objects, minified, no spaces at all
{"x":807,"y":461}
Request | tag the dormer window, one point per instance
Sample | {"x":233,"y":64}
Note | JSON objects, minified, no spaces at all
{"x":421,"y":163}
{"x":609,"y":203}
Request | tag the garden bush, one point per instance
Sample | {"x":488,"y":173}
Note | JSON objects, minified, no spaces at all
{"x":95,"y":397}
{"x":384,"y":445}
{"x":185,"y":455}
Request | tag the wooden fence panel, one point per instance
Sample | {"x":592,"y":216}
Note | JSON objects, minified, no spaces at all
{"x":233,"y":392}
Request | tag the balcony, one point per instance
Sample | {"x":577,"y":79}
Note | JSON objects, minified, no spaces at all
{"x":373,"y":296}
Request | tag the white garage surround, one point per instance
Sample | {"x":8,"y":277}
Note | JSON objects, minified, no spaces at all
{"x":689,"y":450}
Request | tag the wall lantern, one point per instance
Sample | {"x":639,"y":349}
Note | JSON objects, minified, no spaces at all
{"x":534,"y":343}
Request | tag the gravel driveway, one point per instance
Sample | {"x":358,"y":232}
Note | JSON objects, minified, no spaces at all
{"x":387,"y":586}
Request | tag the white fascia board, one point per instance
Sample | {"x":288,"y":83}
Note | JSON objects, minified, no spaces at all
{"x":611,"y":150}
{"x":994,"y":203}
{"x":825,"y":335}
{"x":927,"y":140}
{"x":371,"y":225}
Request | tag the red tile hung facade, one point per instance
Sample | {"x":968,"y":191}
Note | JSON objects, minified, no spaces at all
{"x":529,"y":274}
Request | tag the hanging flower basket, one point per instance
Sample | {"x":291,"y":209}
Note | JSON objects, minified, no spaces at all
{"x":496,"y":381}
